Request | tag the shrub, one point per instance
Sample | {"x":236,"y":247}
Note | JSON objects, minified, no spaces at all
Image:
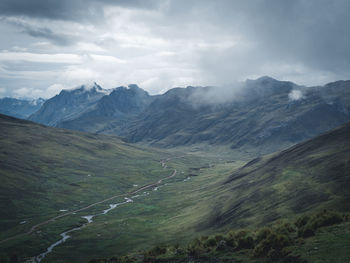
{"x":326,"y":218}
{"x":286,"y":229}
{"x":306,"y":231}
{"x":157,"y":250}
{"x":302,"y":221}
{"x":242,"y":240}
{"x":262,"y":249}
{"x":194,"y":251}
{"x":263,"y":233}
{"x":203,"y":238}
{"x":219,"y":237}
{"x":321,"y":219}
{"x":274,"y":254}
{"x":271,"y":245}
{"x":231,"y":241}
{"x":245,"y":242}
{"x":221,"y":245}
{"x":210,"y":242}
{"x":196,"y":242}
{"x":179,"y":251}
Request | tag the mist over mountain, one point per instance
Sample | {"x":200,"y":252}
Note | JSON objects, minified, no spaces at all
{"x":68,"y":104}
{"x":262,"y":115}
{"x":120,"y":106}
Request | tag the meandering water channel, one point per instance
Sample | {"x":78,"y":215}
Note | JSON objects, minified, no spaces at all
{"x":89,"y":218}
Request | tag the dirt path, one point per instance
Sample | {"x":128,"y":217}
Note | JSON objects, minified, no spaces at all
{"x":35,"y":227}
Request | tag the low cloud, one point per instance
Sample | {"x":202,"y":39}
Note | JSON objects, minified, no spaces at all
{"x":2,"y":91}
{"x":295,"y":95}
{"x":40,"y":32}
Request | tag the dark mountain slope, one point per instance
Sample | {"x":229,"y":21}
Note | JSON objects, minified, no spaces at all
{"x":308,"y":176}
{"x":69,"y":104}
{"x":262,"y":117}
{"x":120,"y":105}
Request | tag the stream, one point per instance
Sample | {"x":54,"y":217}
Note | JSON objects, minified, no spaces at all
{"x":89,"y":218}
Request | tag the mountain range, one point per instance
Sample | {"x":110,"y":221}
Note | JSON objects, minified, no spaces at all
{"x":261,"y":116}
{"x":20,"y":108}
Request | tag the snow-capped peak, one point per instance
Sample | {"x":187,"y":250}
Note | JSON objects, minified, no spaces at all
{"x":89,"y":87}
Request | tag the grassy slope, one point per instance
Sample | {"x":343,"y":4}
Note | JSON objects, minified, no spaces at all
{"x":311,"y":175}
{"x":281,"y":242}
{"x":308,"y":177}
{"x":44,"y":170}
{"x":305,"y":177}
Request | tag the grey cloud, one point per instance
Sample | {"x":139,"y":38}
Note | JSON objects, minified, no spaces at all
{"x":301,"y":32}
{"x":305,"y":41}
{"x":40,"y":32}
{"x":74,"y":10}
{"x":46,"y":33}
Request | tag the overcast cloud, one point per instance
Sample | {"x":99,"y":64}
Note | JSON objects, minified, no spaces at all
{"x":48,"y":45}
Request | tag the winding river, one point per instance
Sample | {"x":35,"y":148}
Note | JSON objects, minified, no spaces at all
{"x":89,"y":218}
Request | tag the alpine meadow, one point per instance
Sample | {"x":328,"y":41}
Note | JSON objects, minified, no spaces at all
{"x":174,"y":131}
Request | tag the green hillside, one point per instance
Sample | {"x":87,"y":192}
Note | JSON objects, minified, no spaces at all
{"x":45,"y":170}
{"x":273,"y":209}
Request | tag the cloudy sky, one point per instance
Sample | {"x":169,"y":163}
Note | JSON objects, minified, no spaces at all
{"x":47,"y":45}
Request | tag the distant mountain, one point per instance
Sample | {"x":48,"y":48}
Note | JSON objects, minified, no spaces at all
{"x":69,"y":104}
{"x":265,"y":115}
{"x":20,"y":108}
{"x":121,"y":105}
{"x":261,"y":116}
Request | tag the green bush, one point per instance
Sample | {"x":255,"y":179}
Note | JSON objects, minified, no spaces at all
{"x":302,"y":221}
{"x":274,"y":254}
{"x":321,"y":219}
{"x":245,"y":242}
{"x":263,"y":233}
{"x":152,"y":254}
{"x":196,"y":242}
{"x":211,"y":242}
{"x":231,"y":241}
{"x":222,"y":245}
{"x":306,"y":231}
{"x":195,"y":251}
{"x":203,"y":238}
{"x":326,"y":218}
{"x":219,"y":237}
{"x":271,"y":245}
{"x":286,"y":229}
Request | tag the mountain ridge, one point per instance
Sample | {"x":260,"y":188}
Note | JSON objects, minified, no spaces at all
{"x":20,"y":108}
{"x":260,"y":116}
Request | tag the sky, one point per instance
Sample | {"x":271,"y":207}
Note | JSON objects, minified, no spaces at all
{"x":50,"y":45}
